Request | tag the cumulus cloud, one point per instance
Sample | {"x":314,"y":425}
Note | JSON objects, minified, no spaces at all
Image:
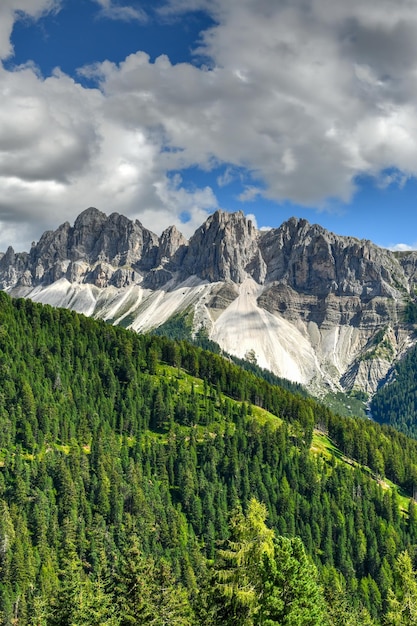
{"x":125,"y":13}
{"x":303,"y":96}
{"x":63,"y":147}
{"x":402,"y":247}
{"x":250,"y":193}
{"x":62,"y":150}
{"x":11,"y":10}
{"x":47,"y":127}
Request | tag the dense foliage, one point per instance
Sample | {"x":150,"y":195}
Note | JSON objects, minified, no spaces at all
{"x":132,"y":469}
{"x":396,"y":402}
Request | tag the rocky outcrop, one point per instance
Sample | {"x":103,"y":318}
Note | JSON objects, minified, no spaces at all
{"x":314,"y":261}
{"x":223,"y":248}
{"x":172,"y":244}
{"x":222,"y":295}
{"x":307,"y":303}
{"x":330,"y":310}
{"x":78,"y":252}
{"x":12,"y":267}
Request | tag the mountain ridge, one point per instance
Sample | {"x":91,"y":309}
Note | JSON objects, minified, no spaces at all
{"x":311,"y":306}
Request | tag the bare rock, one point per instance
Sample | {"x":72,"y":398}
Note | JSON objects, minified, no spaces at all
{"x":222,"y":248}
{"x":156,"y":278}
{"x":125,"y":277}
{"x":171,"y":244}
{"x":222,"y":296}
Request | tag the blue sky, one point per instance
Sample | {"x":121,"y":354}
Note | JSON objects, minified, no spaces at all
{"x":165,"y":111}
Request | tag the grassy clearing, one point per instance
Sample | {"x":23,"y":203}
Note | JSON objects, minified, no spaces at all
{"x":323,"y":445}
{"x":186,"y":383}
{"x":263,"y":417}
{"x":403,"y":500}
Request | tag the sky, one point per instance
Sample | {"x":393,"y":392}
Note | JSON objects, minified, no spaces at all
{"x":167,"y":110}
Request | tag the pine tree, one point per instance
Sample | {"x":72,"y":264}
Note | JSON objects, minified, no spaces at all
{"x":148,"y":594}
{"x":291,"y":595}
{"x":402,"y":603}
{"x":239,"y":576}
{"x":93,"y":606}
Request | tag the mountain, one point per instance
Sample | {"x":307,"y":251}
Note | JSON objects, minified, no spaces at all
{"x":326,"y":311}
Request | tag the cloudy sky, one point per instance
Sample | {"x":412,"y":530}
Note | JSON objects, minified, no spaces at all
{"x":165,"y":110}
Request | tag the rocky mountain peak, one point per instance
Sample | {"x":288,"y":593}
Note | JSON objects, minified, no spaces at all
{"x":8,"y":257}
{"x":85,"y":233}
{"x":223,"y":247}
{"x":89,"y":218}
{"x":74,"y":251}
{"x":312,"y":260}
{"x":120,"y":241}
{"x":170,"y":242}
{"x":236,"y":223}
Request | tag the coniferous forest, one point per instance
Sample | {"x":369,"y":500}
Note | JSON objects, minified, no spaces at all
{"x":396,"y":402}
{"x":147,"y":481}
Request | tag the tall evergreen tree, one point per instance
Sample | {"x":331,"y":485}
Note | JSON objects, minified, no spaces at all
{"x":291,"y":595}
{"x":238,"y":574}
{"x":402,"y":600}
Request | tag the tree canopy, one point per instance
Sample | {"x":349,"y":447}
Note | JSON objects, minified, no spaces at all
{"x":136,"y":470}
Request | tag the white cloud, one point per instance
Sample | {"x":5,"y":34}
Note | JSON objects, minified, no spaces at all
{"x":47,"y":127}
{"x":186,"y":209}
{"x":402,"y":247}
{"x":250,"y":193}
{"x":318,"y":106}
{"x":126,"y":13}
{"x":10,"y":10}
{"x":302,"y":96}
{"x":386,"y":179}
{"x":227,"y":177}
{"x":62,"y":149}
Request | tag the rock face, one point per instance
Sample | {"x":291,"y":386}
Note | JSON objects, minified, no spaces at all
{"x":222,"y":248}
{"x":74,"y":252}
{"x":314,"y":261}
{"x":324,"y":310}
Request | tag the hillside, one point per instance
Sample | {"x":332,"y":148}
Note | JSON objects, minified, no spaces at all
{"x":122,"y":457}
{"x":396,"y":403}
{"x":329,"y":312}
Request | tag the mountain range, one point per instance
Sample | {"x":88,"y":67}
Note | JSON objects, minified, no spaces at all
{"x":327,"y":311}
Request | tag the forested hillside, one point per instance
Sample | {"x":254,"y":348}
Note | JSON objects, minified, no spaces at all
{"x":146,"y":481}
{"x":396,"y":402}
